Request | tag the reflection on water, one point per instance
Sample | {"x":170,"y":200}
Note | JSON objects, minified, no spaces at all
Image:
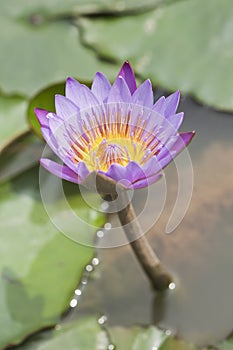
{"x":199,"y":252}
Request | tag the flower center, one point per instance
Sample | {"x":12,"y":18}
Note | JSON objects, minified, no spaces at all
{"x":109,"y":153}
{"x":120,"y":151}
{"x":105,"y":142}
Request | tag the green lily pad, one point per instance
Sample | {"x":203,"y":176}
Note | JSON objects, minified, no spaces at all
{"x":137,"y":338}
{"x":175,"y":49}
{"x":75,"y":7}
{"x":39,"y":266}
{"x":12,"y":113}
{"x":21,"y":154}
{"x":35,"y":55}
{"x":147,"y":338}
{"x":176,"y":344}
{"x":227,"y":344}
{"x":84,"y":334}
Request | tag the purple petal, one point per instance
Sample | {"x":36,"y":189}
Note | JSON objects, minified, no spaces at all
{"x":187,"y":137}
{"x":175,"y":120}
{"x":60,"y":148}
{"x":59,"y":131}
{"x":80,"y":94}
{"x":82,"y":171}
{"x":127,"y":73}
{"x":49,"y":138}
{"x":60,"y":171}
{"x":52,"y":142}
{"x":171,"y":103}
{"x":63,"y":151}
{"x":159,"y":106}
{"x":70,"y":126}
{"x":144,"y":94}
{"x":164,"y":128}
{"x":146,"y":181}
{"x":177,"y":144}
{"x":65,"y":108}
{"x":119,"y":91}
{"x":41,"y":115}
{"x":165,"y":149}
{"x":116,"y":172}
{"x":100,"y":86}
{"x":64,"y":172}
{"x":151,"y":167}
{"x":72,"y":90}
{"x":134,"y":172}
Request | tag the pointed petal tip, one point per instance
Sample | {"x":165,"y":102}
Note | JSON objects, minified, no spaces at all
{"x":99,"y":80}
{"x":193,"y":134}
{"x":176,"y":95}
{"x":148,"y":83}
{"x":127,"y":73}
{"x":40,"y":110}
{"x":41,"y":115}
{"x":58,"y":98}
{"x":126,"y":68}
{"x":100,"y":86}
{"x":120,"y":91}
{"x":127,"y":63}
{"x":144,"y":94}
{"x":99,"y":74}
{"x":187,"y":137}
{"x":70,"y":79}
{"x":43,"y":161}
{"x":171,"y":103}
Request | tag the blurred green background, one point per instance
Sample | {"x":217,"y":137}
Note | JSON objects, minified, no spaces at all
{"x":178,"y":44}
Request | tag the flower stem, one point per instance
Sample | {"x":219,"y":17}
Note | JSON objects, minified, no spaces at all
{"x":150,"y":263}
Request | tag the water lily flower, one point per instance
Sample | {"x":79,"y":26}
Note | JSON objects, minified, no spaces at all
{"x":115,"y":130}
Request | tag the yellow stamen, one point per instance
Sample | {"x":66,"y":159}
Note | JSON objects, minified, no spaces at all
{"x":110,"y":139}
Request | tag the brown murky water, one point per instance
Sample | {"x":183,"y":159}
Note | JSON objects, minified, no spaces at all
{"x":199,"y":252}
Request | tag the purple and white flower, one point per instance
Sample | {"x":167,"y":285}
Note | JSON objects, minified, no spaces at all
{"x":116,"y":130}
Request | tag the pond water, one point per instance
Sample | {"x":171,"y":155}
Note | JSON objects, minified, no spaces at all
{"x":199,"y":252}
